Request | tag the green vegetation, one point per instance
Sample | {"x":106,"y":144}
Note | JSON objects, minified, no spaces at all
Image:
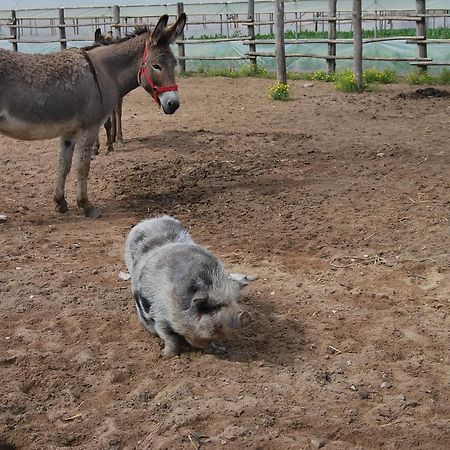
{"x":432,"y":33}
{"x":279,"y":91}
{"x":230,"y":72}
{"x":444,"y":77}
{"x":418,"y":78}
{"x":346,"y":82}
{"x":385,"y":76}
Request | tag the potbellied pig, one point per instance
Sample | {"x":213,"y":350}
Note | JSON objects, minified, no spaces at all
{"x":181,"y":291}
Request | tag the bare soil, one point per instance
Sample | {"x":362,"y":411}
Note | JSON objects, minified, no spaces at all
{"x":339,"y":202}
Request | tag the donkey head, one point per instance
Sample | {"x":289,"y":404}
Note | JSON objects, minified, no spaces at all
{"x":157,"y":74}
{"x":103,"y":39}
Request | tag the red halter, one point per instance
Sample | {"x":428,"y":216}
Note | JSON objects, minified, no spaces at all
{"x":155,"y":89}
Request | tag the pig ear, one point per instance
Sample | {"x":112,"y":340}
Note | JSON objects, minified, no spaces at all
{"x":242,"y":280}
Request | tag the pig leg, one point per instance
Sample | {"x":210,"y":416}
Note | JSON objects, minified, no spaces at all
{"x":171,"y":339}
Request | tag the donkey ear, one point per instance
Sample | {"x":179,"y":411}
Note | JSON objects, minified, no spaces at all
{"x":98,"y":34}
{"x":159,"y":29}
{"x":173,"y":32}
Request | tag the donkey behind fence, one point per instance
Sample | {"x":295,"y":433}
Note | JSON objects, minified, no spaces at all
{"x":113,"y":124}
{"x":70,"y":95}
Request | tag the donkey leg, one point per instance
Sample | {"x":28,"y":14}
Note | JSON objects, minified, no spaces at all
{"x":83,"y":165}
{"x":118,"y":115}
{"x":112,"y":117}
{"x":109,"y":138}
{"x":96,"y":146}
{"x":64,"y":164}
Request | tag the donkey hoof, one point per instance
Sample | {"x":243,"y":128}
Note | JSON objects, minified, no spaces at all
{"x":92,"y":212}
{"x":61,"y":206}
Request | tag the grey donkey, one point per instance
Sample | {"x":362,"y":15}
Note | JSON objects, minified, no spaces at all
{"x":70,"y":95}
{"x":181,"y":291}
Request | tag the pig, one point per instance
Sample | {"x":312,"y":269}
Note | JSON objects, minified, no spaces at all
{"x":181,"y":291}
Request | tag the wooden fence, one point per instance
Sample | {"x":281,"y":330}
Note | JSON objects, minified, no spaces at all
{"x":276,"y":21}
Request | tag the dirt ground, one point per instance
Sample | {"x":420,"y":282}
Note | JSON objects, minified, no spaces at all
{"x":338,"y":202}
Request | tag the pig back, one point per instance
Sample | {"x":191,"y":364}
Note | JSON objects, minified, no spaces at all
{"x":150,"y":234}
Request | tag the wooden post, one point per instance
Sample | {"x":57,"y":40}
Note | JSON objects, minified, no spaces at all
{"x":251,"y":31}
{"x":116,"y":19}
{"x":357,"y":43}
{"x":421,"y":29}
{"x":279,"y":42}
{"x":331,"y":62}
{"x":181,"y":48}
{"x":13,"y":30}
{"x":62,"y":29}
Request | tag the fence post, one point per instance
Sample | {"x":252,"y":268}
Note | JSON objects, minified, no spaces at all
{"x":181,"y":48}
{"x":62,"y":29}
{"x":357,"y":43}
{"x":13,"y":30}
{"x":331,"y":62}
{"x":116,"y":19}
{"x":280,"y":51}
{"x":421,"y":30}
{"x":251,"y":31}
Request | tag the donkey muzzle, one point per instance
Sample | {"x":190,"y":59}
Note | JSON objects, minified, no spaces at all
{"x":169,"y":101}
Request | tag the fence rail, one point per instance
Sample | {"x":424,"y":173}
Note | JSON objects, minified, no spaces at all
{"x":20,"y":32}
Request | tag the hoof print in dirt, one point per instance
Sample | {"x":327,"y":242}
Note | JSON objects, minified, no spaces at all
{"x":182,"y":292}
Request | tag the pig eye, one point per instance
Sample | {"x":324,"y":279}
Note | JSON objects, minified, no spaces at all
{"x":208,"y":308}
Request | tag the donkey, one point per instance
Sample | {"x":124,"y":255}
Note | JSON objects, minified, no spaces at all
{"x":70,"y":95}
{"x":113,"y":124}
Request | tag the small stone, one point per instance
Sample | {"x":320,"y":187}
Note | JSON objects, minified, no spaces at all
{"x":319,"y":443}
{"x":3,"y":218}
{"x":308,"y":85}
{"x":124,"y":276}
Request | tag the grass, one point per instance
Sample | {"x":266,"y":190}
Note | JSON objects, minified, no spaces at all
{"x":432,"y":33}
{"x":444,"y":77}
{"x":279,"y":91}
{"x":419,"y":78}
{"x":374,"y":76}
{"x":346,"y":82}
{"x":230,"y":72}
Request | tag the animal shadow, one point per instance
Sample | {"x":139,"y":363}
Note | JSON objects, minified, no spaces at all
{"x":270,"y":337}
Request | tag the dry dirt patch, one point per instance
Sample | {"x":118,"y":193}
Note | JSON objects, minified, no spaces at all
{"x":339,"y":202}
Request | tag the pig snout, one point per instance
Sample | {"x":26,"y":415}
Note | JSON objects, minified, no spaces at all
{"x":244,"y":318}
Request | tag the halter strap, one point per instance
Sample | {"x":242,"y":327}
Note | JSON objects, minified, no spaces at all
{"x":155,"y":89}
